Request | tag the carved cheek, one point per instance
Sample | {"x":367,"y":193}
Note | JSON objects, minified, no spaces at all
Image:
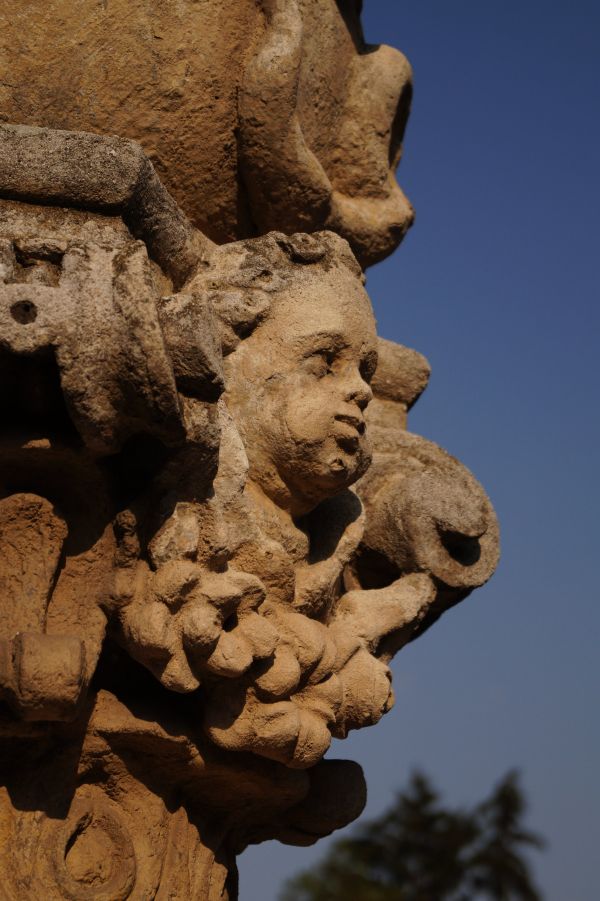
{"x":309,"y":413}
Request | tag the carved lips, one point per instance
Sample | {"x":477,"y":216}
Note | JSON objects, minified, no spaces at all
{"x":349,"y":432}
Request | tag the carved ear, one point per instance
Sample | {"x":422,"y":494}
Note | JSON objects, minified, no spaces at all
{"x":240,"y":278}
{"x":238,"y":313}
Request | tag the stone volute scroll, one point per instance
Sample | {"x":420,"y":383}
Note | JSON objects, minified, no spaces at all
{"x":215,"y":529}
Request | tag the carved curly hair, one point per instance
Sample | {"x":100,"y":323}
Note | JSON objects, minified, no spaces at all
{"x":242,"y":277}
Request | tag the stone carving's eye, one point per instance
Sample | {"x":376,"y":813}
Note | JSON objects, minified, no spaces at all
{"x":321,"y":362}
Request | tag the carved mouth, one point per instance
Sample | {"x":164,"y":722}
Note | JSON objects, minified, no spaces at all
{"x":348,"y":443}
{"x":356,"y":422}
{"x":349,"y":432}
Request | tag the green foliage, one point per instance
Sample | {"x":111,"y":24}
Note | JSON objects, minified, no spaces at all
{"x":419,"y":851}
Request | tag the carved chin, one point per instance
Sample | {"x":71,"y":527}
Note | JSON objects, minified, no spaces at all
{"x":334,"y":470}
{"x":348,"y":463}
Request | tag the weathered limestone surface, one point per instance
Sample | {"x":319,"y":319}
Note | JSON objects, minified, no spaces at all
{"x":258,"y":114}
{"x":215,"y":530}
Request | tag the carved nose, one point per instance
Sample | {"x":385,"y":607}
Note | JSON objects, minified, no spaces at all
{"x":360,"y":394}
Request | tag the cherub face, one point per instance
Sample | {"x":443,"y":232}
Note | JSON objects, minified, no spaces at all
{"x":298,"y":388}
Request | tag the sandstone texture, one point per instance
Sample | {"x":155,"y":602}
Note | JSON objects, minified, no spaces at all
{"x":257,"y":114}
{"x":215,"y":528}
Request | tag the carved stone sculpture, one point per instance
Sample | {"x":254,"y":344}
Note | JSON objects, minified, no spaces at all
{"x":258,"y":114}
{"x":216,"y":531}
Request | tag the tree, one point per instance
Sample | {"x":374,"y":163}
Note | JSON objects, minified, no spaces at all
{"x":420,"y":851}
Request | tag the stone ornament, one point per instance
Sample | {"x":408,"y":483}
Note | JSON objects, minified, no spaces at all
{"x":216,"y":530}
{"x":258,"y":114}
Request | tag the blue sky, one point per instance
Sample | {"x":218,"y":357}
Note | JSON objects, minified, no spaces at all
{"x":498,"y":285}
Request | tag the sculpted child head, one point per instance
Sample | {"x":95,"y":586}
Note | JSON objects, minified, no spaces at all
{"x":299,"y":337}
